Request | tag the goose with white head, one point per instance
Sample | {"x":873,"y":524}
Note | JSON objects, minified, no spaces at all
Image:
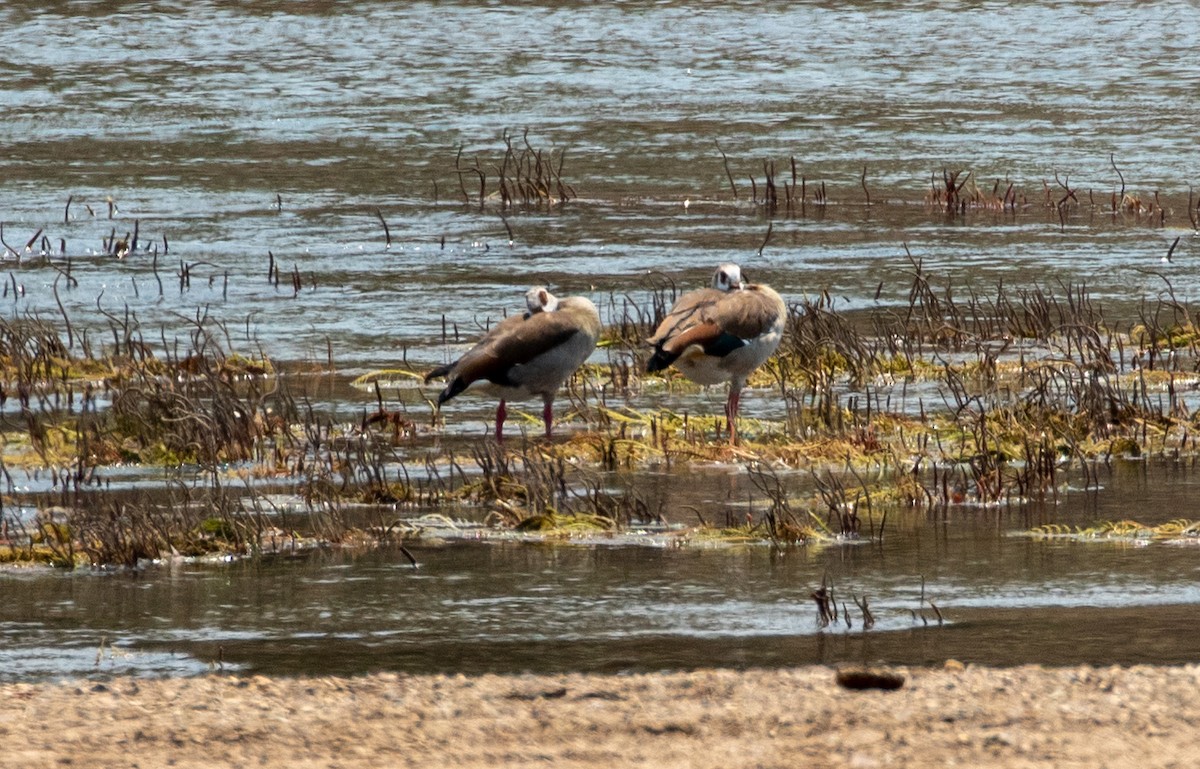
{"x":721,"y":334}
{"x":527,"y":355}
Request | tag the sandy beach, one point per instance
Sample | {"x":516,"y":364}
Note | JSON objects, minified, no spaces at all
{"x":953,"y":716}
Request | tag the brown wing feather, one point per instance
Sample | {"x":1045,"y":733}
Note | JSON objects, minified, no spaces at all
{"x":745,"y":314}
{"x":692,"y":308}
{"x":748,"y":313}
{"x":701,"y":333}
{"x":512,"y":342}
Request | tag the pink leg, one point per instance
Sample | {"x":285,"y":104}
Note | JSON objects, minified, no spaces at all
{"x":731,"y":412}
{"x":501,"y":415}
{"x":548,"y":415}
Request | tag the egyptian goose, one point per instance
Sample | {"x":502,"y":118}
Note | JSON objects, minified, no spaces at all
{"x":721,"y":334}
{"x":529,"y":354}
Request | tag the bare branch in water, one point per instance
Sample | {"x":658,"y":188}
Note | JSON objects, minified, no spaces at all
{"x":387,"y":234}
{"x":728,"y":173}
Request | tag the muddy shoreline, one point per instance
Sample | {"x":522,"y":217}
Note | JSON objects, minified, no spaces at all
{"x":966,"y":716}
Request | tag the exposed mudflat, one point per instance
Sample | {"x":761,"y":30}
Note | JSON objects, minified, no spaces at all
{"x":1015,"y":717}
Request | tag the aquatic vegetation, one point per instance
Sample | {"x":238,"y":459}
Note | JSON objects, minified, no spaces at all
{"x":966,"y":396}
{"x":1180,"y":529}
{"x":525,"y":177}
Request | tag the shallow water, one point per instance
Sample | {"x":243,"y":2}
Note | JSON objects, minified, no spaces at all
{"x":228,"y":131}
{"x":195,"y":117}
{"x":505,"y":606}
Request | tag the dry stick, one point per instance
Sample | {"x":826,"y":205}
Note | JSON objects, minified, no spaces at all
{"x":67,"y":210}
{"x":29,"y":243}
{"x":133,"y":242}
{"x":728,"y":173}
{"x":462,"y":185}
{"x":508,"y":228}
{"x":793,"y":160}
{"x":4,"y":243}
{"x":534,"y":177}
{"x":502,"y":183}
{"x":563,"y":190}
{"x":1171,"y":250}
{"x":64,"y":273}
{"x":482,"y":183}
{"x":278,"y":202}
{"x":154,"y":267}
{"x":1119,"y":174}
{"x":1070,"y":193}
{"x":387,"y":234}
{"x":770,"y":196}
{"x":502,"y":172}
{"x":64,"y":312}
{"x":864,"y":185}
{"x":767,"y":239}
{"x":868,"y":617}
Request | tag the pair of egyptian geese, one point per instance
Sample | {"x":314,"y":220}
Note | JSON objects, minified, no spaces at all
{"x":711,"y":335}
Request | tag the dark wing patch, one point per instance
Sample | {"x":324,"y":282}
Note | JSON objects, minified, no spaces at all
{"x":513,"y":342}
{"x":660,"y":360}
{"x":723,"y":345}
{"x":709,"y":336}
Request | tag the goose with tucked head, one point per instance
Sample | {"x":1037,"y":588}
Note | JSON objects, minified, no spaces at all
{"x":721,"y":334}
{"x":529,"y":354}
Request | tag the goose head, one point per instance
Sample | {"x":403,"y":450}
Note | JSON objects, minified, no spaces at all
{"x":728,"y":277}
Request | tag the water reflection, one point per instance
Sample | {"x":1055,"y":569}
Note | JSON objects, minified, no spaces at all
{"x":516,"y":606}
{"x":345,"y":109}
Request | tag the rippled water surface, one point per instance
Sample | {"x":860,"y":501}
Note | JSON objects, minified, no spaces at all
{"x":233,"y":135}
{"x":1003,"y":599}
